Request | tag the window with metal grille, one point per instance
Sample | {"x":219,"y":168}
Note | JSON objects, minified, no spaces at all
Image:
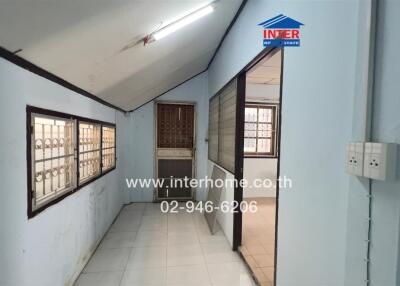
{"x":260,"y":130}
{"x":89,"y":151}
{"x":65,"y":152}
{"x":53,"y":160}
{"x":108,"y":148}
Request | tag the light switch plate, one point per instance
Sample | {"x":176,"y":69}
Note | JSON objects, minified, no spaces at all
{"x":355,"y":158}
{"x":380,"y":161}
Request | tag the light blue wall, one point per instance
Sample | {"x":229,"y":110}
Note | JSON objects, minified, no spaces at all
{"x":357,"y":223}
{"x":53,"y":247}
{"x":316,"y":125}
{"x":386,"y":128}
{"x":385,"y":195}
{"x":139,"y":159}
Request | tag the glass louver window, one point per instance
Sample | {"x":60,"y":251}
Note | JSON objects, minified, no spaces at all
{"x":222,"y":127}
{"x":213,"y":120}
{"x":227,"y":127}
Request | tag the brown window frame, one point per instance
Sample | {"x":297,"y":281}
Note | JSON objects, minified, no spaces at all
{"x":29,"y":130}
{"x":273,"y":137}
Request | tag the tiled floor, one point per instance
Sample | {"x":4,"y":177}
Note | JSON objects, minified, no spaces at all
{"x":145,"y":247}
{"x":258,"y":240}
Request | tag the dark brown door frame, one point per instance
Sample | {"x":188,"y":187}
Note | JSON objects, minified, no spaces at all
{"x":156,"y":197}
{"x":239,"y":153}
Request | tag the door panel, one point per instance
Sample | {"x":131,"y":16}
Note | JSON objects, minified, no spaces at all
{"x":177,"y":169}
{"x":174,"y":149}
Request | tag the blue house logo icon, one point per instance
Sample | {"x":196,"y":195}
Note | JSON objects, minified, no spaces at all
{"x":281,"y":31}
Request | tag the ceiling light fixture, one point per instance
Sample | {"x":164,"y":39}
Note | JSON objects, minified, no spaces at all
{"x":180,"y":23}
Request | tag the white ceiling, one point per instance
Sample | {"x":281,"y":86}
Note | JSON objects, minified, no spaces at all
{"x":268,"y":71}
{"x":81,"y":41}
{"x":262,"y":93}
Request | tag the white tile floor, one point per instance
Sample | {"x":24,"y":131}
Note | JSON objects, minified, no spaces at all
{"x":145,"y":247}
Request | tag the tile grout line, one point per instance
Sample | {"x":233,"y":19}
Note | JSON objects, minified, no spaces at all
{"x":204,"y":256}
{"x":184,"y":225}
{"x":130,"y":252}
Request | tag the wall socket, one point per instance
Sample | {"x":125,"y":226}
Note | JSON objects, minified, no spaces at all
{"x":380,"y":161}
{"x":372,"y":160}
{"x":355,"y":158}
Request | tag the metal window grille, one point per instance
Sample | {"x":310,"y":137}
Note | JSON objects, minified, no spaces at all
{"x":108,"y":148}
{"x":53,"y":160}
{"x":64,"y":153}
{"x":260,"y":130}
{"x":89,"y":151}
{"x":175,"y":126}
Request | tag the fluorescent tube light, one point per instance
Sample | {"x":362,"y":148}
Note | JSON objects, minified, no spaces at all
{"x":186,"y":20}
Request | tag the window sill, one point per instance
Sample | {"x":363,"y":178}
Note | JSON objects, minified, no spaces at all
{"x":260,"y":157}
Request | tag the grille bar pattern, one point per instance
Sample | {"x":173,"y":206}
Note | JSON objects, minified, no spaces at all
{"x":108,"y":148}
{"x":175,"y":126}
{"x":53,"y":157}
{"x":65,"y":152}
{"x":260,"y":130}
{"x":89,"y":151}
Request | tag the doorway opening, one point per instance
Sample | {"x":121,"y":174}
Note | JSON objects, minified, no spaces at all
{"x":261,"y":147}
{"x":175,"y":149}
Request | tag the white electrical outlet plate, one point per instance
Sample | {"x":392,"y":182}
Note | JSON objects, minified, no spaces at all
{"x":380,"y":161}
{"x":355,"y":158}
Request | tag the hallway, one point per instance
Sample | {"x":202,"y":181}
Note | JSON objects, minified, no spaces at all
{"x":146,"y":247}
{"x":111,"y":106}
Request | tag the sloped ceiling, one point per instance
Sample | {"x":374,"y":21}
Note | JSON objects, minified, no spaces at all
{"x":82,"y":41}
{"x":267,"y":71}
